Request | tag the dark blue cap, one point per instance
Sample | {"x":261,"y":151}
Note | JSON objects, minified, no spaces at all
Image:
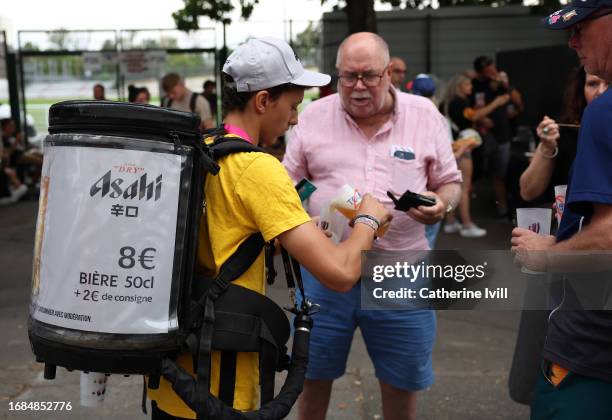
{"x":423,"y":85}
{"x":576,"y":11}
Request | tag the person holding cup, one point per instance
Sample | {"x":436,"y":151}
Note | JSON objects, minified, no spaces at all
{"x":546,"y":176}
{"x":554,"y":155}
{"x":576,"y":371}
{"x":376,"y":139}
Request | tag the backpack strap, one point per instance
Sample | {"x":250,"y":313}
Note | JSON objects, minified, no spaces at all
{"x":166,"y":102}
{"x":223,"y":146}
{"x":192,"y":101}
{"x":234,"y":267}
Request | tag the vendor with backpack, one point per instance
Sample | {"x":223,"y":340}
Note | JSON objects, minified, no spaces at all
{"x":252,"y":193}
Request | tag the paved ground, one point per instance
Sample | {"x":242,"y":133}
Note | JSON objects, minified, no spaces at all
{"x":472,"y":353}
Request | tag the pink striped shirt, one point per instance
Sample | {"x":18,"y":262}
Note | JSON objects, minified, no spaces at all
{"x":327,"y":147}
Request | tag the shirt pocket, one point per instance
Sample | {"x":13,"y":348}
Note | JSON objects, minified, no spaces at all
{"x":404,"y":175}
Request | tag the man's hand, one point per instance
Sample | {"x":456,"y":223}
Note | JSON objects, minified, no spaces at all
{"x":459,"y":151}
{"x":429,"y":215}
{"x":526,"y":240}
{"x":528,"y":248}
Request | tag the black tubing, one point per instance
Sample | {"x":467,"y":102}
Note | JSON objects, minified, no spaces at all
{"x":153,"y":382}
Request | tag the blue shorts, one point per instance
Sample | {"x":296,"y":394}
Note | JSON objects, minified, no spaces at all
{"x":399,"y":342}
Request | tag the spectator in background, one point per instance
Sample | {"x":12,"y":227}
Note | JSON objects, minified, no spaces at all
{"x":211,"y":96}
{"x":27,"y":163}
{"x":138,"y":95}
{"x":398,"y":72}
{"x":98,"y":92}
{"x":470,"y":74}
{"x":494,"y":128}
{"x":11,"y":188}
{"x":143,"y":96}
{"x":555,"y":154}
{"x":424,"y":85}
{"x":462,"y":115}
{"x":179,"y":97}
{"x":515,"y":107}
{"x":326,"y":91}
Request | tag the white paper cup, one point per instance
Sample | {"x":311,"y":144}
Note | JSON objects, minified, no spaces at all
{"x":536,"y":220}
{"x":560,"y":191}
{"x":93,"y":388}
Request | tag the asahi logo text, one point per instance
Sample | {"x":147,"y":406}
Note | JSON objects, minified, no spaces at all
{"x":138,"y":189}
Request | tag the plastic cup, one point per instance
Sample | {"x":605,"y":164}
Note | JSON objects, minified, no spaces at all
{"x":560,"y":191}
{"x":347,"y":202}
{"x":336,"y":222}
{"x":93,"y":388}
{"x":536,"y":220}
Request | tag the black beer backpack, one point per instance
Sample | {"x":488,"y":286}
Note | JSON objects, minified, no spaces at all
{"x":233,"y":319}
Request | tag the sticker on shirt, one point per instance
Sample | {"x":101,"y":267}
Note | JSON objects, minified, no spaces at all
{"x":402,"y":152}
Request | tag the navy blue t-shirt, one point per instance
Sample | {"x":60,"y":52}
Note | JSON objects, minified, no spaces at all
{"x":581,"y":340}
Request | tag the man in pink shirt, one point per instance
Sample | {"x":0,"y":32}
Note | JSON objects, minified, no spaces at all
{"x":376,"y":139}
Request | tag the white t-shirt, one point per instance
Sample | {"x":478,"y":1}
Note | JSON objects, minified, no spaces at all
{"x":202,"y":107}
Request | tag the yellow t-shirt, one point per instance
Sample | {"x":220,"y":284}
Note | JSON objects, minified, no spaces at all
{"x":252,"y":193}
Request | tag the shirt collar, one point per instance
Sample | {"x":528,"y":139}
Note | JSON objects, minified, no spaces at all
{"x":234,"y":129}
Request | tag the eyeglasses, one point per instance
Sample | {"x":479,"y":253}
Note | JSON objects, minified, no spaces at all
{"x":370,"y":79}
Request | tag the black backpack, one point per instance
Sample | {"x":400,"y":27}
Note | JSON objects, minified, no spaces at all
{"x":233,"y":319}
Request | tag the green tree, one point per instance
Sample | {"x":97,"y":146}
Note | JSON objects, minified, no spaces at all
{"x":306,"y":44}
{"x":29,"y":46}
{"x":109,"y":45}
{"x":59,"y":38}
{"x":360,"y":13}
{"x":186,"y":19}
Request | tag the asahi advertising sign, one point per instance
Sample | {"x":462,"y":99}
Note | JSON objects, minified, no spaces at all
{"x":105,"y":240}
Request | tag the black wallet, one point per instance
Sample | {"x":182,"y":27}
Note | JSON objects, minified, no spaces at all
{"x":410,"y":199}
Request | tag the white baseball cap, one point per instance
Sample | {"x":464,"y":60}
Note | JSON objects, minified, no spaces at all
{"x":262,"y":63}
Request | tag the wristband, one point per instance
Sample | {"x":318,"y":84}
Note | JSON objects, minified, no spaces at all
{"x":368,"y":222}
{"x":367,"y":216}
